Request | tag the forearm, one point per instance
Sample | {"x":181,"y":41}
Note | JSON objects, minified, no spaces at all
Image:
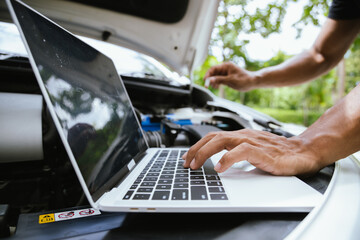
{"x":336,"y":134}
{"x":329,"y":48}
{"x":299,"y":69}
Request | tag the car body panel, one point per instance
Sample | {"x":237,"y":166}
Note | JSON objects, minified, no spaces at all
{"x":181,"y":45}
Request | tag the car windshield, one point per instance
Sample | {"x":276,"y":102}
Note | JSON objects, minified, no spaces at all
{"x":127,"y":62}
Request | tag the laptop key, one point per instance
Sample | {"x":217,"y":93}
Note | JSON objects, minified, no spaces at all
{"x":212,"y":184}
{"x":197,"y":182}
{"x":181,"y":180}
{"x":212,"y":178}
{"x":181,"y":185}
{"x":158,"y":164}
{"x":180,"y":194}
{"x":209,"y":168}
{"x":218,"y":197}
{"x":161,"y":195}
{"x":145,"y":190}
{"x":134,"y":186}
{"x":165,"y":181}
{"x":166,"y":177}
{"x":182,"y":175}
{"x":174,"y":152}
{"x":169,"y":168}
{"x":170,"y":164}
{"x":181,"y":167}
{"x":196,"y":177}
{"x":216,"y":189}
{"x":128,"y":195}
{"x":141,"y":196}
{"x":148,"y":184}
{"x":150,"y":179}
{"x":152,"y":174}
{"x":163,"y":187}
{"x":156,"y":167}
{"x":198,"y":193}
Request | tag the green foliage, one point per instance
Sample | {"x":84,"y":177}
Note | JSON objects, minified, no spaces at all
{"x":233,"y":19}
{"x":352,"y":70}
{"x":311,"y":13}
{"x":292,"y":116}
{"x":313,"y":9}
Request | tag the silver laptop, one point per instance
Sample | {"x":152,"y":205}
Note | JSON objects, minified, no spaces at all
{"x":105,"y":143}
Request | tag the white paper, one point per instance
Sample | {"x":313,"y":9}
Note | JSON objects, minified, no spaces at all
{"x":20,"y":127}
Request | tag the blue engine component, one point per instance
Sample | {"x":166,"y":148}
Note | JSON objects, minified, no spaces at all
{"x":148,"y":125}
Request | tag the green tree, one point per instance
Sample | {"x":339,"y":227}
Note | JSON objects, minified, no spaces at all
{"x":233,"y":19}
{"x":352,"y":70}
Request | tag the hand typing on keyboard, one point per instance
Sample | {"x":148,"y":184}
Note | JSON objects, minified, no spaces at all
{"x":269,"y":152}
{"x":165,"y":178}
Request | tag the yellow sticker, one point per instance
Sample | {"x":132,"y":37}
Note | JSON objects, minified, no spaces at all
{"x":46,"y":218}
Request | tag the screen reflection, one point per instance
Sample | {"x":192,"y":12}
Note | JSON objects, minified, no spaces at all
{"x":90,"y":102}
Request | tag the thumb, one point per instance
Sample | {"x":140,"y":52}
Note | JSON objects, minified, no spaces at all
{"x":215,"y":81}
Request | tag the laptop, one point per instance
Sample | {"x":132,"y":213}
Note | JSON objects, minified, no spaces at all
{"x":106,"y":146}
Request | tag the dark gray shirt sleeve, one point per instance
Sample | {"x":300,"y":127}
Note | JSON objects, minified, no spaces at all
{"x":344,"y":9}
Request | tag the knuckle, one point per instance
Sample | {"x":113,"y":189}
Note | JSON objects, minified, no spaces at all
{"x":211,"y":134}
{"x":226,"y":158}
{"x":246,"y":131}
{"x":190,"y":153}
{"x":221,"y":134}
{"x":228,"y":63}
{"x":246,"y":146}
{"x":199,"y":155}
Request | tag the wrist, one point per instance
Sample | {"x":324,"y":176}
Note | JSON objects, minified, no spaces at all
{"x":309,"y":159}
{"x":314,"y":149}
{"x":255,"y":79}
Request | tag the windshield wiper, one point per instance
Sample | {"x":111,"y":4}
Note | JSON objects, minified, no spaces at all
{"x":4,"y":56}
{"x":146,"y":75}
{"x":8,"y":55}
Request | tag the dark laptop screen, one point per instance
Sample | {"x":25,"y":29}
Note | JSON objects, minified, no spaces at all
{"x":89,"y":100}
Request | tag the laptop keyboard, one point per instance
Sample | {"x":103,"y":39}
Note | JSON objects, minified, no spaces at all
{"x":165,"y":178}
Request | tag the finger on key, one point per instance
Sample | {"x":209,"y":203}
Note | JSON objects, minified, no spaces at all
{"x":189,"y":156}
{"x":212,"y":147}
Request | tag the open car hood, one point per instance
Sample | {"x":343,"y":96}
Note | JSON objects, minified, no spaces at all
{"x":180,"y":39}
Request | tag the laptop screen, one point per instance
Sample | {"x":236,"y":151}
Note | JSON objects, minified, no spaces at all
{"x":89,"y":99}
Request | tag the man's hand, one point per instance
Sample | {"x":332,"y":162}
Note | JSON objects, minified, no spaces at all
{"x":269,"y":152}
{"x":231,"y":75}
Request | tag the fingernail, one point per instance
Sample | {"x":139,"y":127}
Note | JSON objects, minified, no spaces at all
{"x":217,"y":167}
{"x":207,"y":83}
{"x":192,"y":164}
{"x":184,"y":156}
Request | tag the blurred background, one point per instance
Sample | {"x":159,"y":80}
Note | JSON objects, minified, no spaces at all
{"x":259,"y":33}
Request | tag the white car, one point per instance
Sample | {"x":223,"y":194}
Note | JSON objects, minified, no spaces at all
{"x":154,"y":45}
